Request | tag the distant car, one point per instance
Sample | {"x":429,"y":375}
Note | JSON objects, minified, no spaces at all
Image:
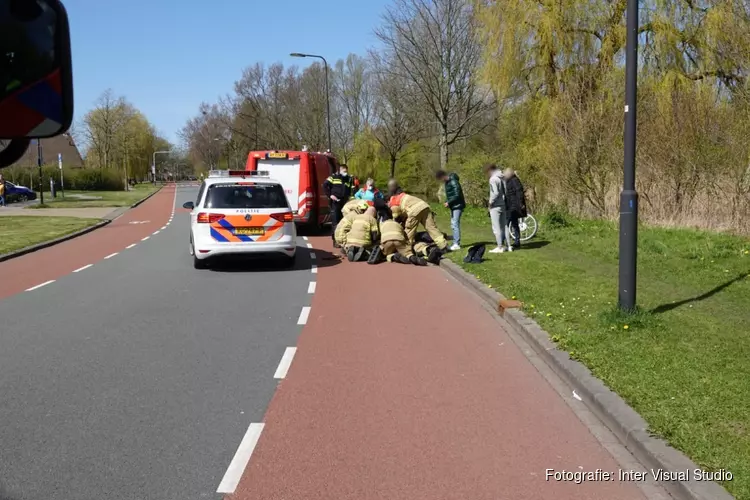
{"x":241,"y":213}
{"x":14,"y":192}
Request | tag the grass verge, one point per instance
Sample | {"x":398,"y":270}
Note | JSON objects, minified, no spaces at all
{"x":682,"y":361}
{"x":87,"y":199}
{"x":21,"y":232}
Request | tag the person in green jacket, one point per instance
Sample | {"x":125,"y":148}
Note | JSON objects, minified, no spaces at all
{"x":455,"y":202}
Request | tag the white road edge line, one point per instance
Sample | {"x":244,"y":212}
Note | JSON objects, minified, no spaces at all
{"x":314,"y":269}
{"x":130,"y":246}
{"x":82,"y":268}
{"x":241,"y":458}
{"x":313,"y":256}
{"x":41,"y":285}
{"x":303,"y":315}
{"x":110,"y":255}
{"x":144,"y":239}
{"x":285,"y":363}
{"x":311,"y":287}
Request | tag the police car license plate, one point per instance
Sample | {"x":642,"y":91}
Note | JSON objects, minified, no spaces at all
{"x":250,"y":231}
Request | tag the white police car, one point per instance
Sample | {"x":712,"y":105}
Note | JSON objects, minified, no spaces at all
{"x":240,"y":212}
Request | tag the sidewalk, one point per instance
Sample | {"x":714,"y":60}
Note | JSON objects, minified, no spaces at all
{"x":404,"y":388}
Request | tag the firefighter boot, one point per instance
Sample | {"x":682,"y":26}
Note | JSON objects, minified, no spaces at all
{"x":361,"y":254}
{"x":434,"y":256}
{"x":351,"y":252}
{"x":417,"y":261}
{"x":397,"y":257}
{"x":376,"y":256}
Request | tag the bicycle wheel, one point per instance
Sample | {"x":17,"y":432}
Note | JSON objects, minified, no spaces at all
{"x":527,"y":226}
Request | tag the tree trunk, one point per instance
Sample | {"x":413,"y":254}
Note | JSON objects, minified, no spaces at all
{"x":393,"y":166}
{"x":444,"y":149}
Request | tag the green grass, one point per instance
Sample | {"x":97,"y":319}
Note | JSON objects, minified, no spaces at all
{"x":106,"y":198}
{"x":682,"y":361}
{"x":21,"y":232}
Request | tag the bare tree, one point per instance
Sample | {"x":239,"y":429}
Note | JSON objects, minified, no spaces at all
{"x":433,"y":44}
{"x":102,"y":125}
{"x":394,"y":126}
{"x":206,"y":135}
{"x":353,"y":102}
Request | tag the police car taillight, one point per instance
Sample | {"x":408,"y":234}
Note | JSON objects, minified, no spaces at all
{"x":206,"y":218}
{"x":284,"y":217}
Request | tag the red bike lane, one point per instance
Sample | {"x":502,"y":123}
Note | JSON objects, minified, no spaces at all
{"x":404,"y":387}
{"x":22,"y":273}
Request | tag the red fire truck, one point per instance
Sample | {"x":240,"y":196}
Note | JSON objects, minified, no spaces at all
{"x":302,"y":174}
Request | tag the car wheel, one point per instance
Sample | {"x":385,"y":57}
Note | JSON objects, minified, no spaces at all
{"x":22,"y":198}
{"x":199,"y":263}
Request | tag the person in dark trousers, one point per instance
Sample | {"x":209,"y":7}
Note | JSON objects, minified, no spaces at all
{"x":516,"y":203}
{"x":338,"y":188}
{"x":455,"y":202}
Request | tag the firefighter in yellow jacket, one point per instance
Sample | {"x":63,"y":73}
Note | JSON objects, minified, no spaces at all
{"x":363,"y":235}
{"x":393,"y":241}
{"x":417,"y":212}
{"x":342,"y":229}
{"x":354,"y":206}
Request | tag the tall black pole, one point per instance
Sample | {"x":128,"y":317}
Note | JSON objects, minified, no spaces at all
{"x":39,"y":162}
{"x":629,"y":196}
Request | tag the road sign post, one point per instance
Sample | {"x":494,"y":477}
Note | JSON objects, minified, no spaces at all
{"x":62,"y":180}
{"x":40,"y":162}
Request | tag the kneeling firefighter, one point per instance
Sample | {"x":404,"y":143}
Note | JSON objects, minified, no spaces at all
{"x":417,"y":213}
{"x":393,"y":241}
{"x":362,"y":236}
{"x":355,"y":207}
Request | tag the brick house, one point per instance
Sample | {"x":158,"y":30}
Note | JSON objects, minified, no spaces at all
{"x":63,"y":143}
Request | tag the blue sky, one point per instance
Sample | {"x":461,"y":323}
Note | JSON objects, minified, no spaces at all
{"x":167,"y":56}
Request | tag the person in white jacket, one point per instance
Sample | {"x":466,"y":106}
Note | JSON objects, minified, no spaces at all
{"x":498,"y":209}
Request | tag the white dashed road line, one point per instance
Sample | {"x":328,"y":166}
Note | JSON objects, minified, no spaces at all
{"x":313,"y":256}
{"x":163,"y":228}
{"x":40,"y":285}
{"x":304,"y":315}
{"x":305,"y":238}
{"x":83,"y":268}
{"x":285,"y":363}
{"x":241,"y":458}
{"x":144,"y":239}
{"x":156,"y":232}
{"x":314,"y":269}
{"x":309,"y":245}
{"x":110,"y":255}
{"x":311,"y":287}
{"x":130,"y":246}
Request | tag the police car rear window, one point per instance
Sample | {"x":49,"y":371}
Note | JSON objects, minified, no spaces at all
{"x":246,"y":196}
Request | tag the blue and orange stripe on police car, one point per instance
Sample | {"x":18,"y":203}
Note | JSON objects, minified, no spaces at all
{"x":224,"y":229}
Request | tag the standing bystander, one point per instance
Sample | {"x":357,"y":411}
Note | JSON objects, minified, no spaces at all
{"x":455,"y":202}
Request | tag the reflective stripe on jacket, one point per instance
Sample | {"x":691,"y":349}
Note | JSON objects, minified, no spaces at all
{"x":410,"y":205}
{"x":390,"y":230}
{"x":362,"y":231}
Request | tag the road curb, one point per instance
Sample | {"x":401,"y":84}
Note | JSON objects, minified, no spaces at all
{"x":629,"y":427}
{"x":46,"y":244}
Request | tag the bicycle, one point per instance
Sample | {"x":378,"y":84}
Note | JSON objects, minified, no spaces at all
{"x":527,"y":226}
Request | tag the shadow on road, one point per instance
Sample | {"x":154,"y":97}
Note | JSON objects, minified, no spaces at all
{"x":251,"y":264}
{"x":668,"y":307}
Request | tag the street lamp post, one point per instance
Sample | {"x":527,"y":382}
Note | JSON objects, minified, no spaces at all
{"x":153,"y":165}
{"x":328,"y":96}
{"x":629,"y":196}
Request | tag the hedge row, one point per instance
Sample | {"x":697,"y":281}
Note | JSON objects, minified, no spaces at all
{"x":79,"y":179}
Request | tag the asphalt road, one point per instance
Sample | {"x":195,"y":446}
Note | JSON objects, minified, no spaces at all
{"x":137,"y":377}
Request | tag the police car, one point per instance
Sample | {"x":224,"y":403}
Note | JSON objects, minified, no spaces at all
{"x":240,"y":212}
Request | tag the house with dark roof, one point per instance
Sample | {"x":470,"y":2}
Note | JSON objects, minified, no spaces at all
{"x":63,"y":143}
